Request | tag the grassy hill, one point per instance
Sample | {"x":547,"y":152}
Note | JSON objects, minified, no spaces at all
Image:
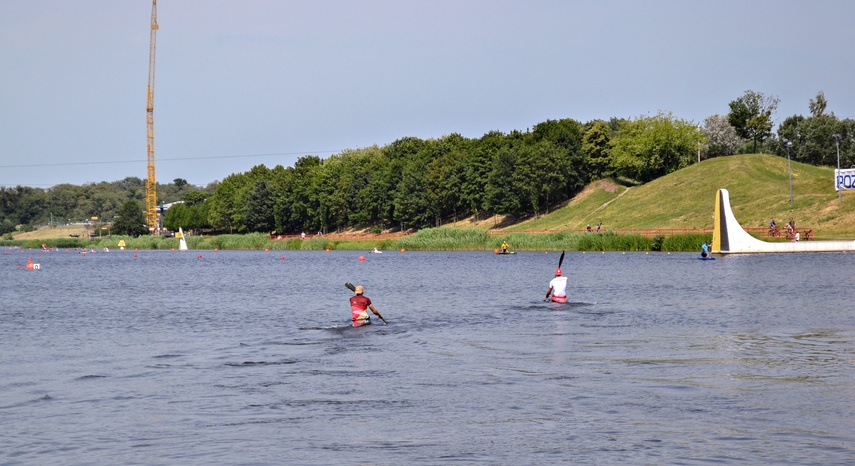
{"x":759,"y":191}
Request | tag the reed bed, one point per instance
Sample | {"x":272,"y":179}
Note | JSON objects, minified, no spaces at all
{"x":613,"y":242}
{"x":436,"y":239}
{"x":445,"y":239}
{"x":685,"y":242}
{"x":536,"y":241}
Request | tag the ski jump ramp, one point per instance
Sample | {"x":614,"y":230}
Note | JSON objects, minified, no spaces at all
{"x":730,"y":238}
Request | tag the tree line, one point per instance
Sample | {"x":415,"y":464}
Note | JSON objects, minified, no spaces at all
{"x":414,"y":183}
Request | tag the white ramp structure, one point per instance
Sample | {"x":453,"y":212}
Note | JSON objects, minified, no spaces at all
{"x":730,"y":238}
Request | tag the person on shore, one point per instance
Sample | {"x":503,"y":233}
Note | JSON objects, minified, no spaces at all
{"x":359,"y":306}
{"x":557,"y":288}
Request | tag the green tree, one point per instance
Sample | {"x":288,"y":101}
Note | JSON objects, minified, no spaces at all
{"x":539,"y":177}
{"x":177,"y":216}
{"x":595,"y":148}
{"x":500,"y":194}
{"x":480,"y":163}
{"x":412,"y":206}
{"x":226,"y":211}
{"x":258,"y":208}
{"x":130,"y":219}
{"x":649,"y":147}
{"x":195,"y":197}
{"x":751,"y":116}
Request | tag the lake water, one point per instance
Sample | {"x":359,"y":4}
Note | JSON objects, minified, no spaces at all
{"x":248,"y":358}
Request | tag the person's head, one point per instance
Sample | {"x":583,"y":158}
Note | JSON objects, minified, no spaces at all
{"x":359,"y":289}
{"x":557,"y":272}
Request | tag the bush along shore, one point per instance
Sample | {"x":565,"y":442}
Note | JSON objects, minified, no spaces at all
{"x":432,"y":239}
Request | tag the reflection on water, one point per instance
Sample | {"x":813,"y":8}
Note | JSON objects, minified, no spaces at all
{"x":246,"y":358}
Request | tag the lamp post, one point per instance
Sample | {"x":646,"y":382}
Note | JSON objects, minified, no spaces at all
{"x":789,"y":144}
{"x":837,"y":175}
{"x":699,"y":143}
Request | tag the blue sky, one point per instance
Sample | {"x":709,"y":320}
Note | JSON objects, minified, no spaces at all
{"x":266,"y":81}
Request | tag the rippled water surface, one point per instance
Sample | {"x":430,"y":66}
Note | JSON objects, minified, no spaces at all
{"x":247,"y":358}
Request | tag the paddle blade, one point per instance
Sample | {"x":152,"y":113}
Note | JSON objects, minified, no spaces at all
{"x":350,"y":286}
{"x":561,"y":259}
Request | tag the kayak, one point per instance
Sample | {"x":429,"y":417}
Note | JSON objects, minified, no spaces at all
{"x":361,"y":323}
{"x":708,"y":258}
{"x":505,"y":252}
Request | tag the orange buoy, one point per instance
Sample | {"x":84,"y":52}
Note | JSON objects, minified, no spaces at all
{"x":199,"y":256}
{"x":216,"y":249}
{"x":30,"y":265}
{"x":403,"y":250}
{"x":328,"y":249}
{"x":361,"y":258}
{"x":266,"y":249}
{"x":282,"y":258}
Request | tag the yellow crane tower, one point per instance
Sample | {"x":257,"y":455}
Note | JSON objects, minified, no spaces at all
{"x":151,"y":181}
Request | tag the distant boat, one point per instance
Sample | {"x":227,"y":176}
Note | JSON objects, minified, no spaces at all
{"x":182,"y":243}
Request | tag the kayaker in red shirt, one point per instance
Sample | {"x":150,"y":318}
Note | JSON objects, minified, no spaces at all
{"x":359,"y":306}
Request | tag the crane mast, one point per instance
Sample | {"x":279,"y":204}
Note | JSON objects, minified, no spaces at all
{"x":151,"y":181}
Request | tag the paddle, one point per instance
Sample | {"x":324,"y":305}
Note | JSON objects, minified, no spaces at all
{"x":353,"y":288}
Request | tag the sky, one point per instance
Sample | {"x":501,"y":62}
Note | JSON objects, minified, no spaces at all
{"x":244,"y":83}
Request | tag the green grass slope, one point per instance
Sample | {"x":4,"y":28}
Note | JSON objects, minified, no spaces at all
{"x":759,"y":191}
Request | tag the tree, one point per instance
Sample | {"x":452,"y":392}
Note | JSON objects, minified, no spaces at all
{"x":812,"y":139}
{"x":649,"y":147}
{"x":226,"y":211}
{"x":192,"y":198}
{"x":721,"y":136}
{"x":177,"y":216}
{"x":499,"y":193}
{"x":130,"y":220}
{"x":751,"y":116}
{"x":258,"y":209}
{"x":539,"y":176}
{"x":595,"y":148}
{"x":817,"y":106}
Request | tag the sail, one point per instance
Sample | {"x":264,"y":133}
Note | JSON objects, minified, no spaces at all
{"x":182,"y":243}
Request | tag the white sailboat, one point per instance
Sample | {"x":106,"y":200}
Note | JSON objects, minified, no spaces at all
{"x":182,"y":243}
